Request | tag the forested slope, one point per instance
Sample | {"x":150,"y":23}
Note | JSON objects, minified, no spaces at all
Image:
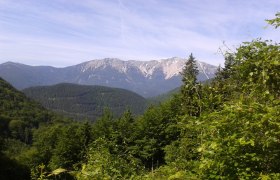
{"x":19,"y":116}
{"x":86,"y":102}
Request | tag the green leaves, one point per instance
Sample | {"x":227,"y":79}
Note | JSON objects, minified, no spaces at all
{"x":103,"y":164}
{"x":276,"y":21}
{"x":241,"y":144}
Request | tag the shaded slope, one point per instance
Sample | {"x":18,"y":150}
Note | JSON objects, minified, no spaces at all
{"x":82,"y":101}
{"x":19,"y":116}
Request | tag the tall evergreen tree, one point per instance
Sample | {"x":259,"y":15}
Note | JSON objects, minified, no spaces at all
{"x":190,"y":88}
{"x":229,"y":63}
{"x":226,"y":72}
{"x":190,"y":71}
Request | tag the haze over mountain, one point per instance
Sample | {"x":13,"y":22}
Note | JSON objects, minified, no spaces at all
{"x":147,"y":78}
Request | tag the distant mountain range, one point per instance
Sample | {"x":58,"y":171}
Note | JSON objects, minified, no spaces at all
{"x":147,"y":78}
{"x":85,"y":101}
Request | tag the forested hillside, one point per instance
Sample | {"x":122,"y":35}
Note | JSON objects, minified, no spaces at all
{"x":86,"y":102}
{"x":19,"y":116}
{"x":225,"y":129}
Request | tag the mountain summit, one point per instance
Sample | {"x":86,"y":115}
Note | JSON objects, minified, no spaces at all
{"x":147,"y":78}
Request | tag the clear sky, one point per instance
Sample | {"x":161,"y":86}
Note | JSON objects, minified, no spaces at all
{"x":67,"y":32}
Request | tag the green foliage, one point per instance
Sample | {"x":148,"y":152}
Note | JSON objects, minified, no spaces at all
{"x":258,"y":66}
{"x":240,"y":142}
{"x":276,"y":21}
{"x":104,"y":126}
{"x":190,"y":71}
{"x":86,"y":102}
{"x":154,"y":130}
{"x":69,"y":149}
{"x":102,"y":164}
{"x":62,"y":145}
{"x":19,"y":117}
{"x":110,"y":155}
{"x":191,"y":89}
{"x":238,"y":138}
{"x":18,"y":114}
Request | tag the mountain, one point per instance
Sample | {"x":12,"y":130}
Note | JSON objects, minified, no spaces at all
{"x":147,"y":78}
{"x":84,"y":101}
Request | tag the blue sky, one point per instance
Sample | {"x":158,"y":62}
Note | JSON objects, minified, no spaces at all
{"x":67,"y":32}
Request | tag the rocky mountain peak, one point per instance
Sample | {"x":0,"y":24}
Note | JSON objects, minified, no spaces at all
{"x":147,"y":78}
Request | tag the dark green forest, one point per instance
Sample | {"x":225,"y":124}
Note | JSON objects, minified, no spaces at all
{"x":86,"y":102}
{"x":228,"y":128}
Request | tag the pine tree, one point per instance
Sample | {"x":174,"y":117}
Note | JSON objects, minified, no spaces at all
{"x":190,"y":71}
{"x":229,"y":63}
{"x":190,"y":89}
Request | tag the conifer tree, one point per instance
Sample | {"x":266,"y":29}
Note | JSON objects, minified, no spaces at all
{"x":190,"y":71}
{"x":190,"y":87}
{"x":229,"y":63}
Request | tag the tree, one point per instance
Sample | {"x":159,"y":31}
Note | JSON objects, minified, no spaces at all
{"x":103,"y":164}
{"x":190,"y":89}
{"x":229,"y":63}
{"x":257,"y":70}
{"x":123,"y":133}
{"x":222,"y":85}
{"x":190,"y":71}
{"x":103,"y":127}
{"x":276,"y":21}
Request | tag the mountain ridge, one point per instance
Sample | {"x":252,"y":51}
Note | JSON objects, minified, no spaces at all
{"x":147,"y":78}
